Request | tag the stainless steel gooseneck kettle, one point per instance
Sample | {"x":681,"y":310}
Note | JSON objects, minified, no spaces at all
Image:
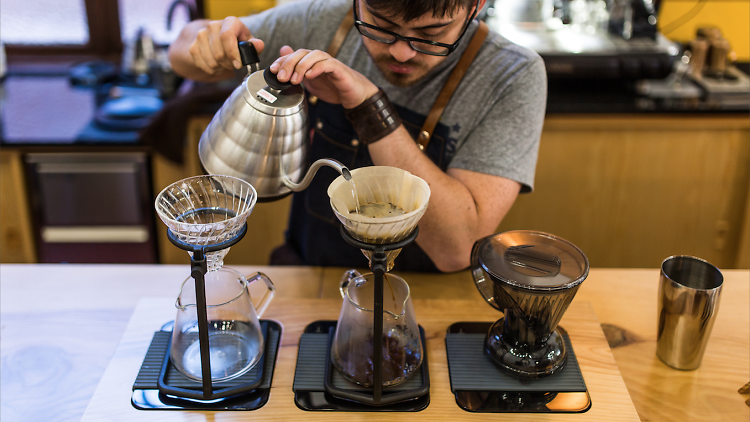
{"x":260,"y":134}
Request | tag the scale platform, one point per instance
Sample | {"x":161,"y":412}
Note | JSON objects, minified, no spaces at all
{"x":481,"y":386}
{"x":311,"y":372}
{"x":147,"y":396}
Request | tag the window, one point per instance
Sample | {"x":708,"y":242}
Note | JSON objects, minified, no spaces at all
{"x":152,"y":16}
{"x":86,"y":27}
{"x":43,"y":22}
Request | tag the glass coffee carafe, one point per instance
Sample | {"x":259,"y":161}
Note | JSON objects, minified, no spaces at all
{"x":532,"y":277}
{"x":352,"y":349}
{"x":235,"y":337}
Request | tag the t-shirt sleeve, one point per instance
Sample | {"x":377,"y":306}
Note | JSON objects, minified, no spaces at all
{"x":298,"y":24}
{"x":506,"y":141}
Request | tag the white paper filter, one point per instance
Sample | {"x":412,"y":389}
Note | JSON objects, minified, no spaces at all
{"x":380,"y":184}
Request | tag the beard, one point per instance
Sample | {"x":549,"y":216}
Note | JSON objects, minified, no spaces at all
{"x":400,"y":79}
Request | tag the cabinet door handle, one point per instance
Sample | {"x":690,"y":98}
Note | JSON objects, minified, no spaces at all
{"x":97,"y":234}
{"x":76,"y":168}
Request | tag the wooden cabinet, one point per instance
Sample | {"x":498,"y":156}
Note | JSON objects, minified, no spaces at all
{"x":631,"y":191}
{"x":16,"y":238}
{"x":628,"y":190}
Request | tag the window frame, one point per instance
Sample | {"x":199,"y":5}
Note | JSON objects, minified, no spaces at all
{"x":105,"y":39}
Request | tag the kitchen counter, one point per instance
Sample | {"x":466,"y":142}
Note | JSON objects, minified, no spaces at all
{"x":45,"y":110}
{"x":61,"y":326}
{"x":652,"y":97}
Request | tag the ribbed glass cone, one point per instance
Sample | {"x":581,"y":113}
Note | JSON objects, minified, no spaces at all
{"x":379,"y":185}
{"x":206,"y":210}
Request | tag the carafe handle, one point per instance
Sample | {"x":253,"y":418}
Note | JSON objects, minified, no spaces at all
{"x":266,"y":300}
{"x":346,"y":279}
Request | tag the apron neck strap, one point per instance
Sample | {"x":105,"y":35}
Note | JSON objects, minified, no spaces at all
{"x":451,"y":84}
{"x":340,"y":36}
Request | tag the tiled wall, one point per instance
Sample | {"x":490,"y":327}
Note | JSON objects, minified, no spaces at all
{"x":731,"y":16}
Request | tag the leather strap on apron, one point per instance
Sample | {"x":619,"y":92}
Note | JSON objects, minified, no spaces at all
{"x":340,"y":36}
{"x":433,"y":117}
{"x":451,"y":84}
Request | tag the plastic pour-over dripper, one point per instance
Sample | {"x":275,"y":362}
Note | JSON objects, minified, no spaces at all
{"x":379,"y":185}
{"x":206,"y":210}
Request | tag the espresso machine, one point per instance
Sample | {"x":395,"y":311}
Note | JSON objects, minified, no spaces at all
{"x":588,"y":39}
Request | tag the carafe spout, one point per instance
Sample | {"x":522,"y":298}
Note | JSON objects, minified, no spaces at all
{"x":297,"y":187}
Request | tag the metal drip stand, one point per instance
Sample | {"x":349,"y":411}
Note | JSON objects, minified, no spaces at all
{"x":379,"y":267}
{"x":198,"y":270}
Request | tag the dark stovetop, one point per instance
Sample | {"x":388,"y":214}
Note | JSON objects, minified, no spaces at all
{"x":620,"y":96}
{"x":47,"y":110}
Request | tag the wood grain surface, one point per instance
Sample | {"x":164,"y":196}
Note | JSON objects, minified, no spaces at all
{"x":61,"y":325}
{"x":16,"y":238}
{"x":608,"y":393}
{"x":627,"y":299}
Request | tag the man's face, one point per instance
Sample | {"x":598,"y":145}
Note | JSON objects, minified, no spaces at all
{"x":400,"y":64}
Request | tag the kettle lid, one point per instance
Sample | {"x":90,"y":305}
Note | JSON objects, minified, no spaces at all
{"x":265,"y":93}
{"x":531,"y":260}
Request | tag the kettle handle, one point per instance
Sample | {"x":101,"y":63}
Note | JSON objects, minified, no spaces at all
{"x":249,"y":55}
{"x":266,"y":300}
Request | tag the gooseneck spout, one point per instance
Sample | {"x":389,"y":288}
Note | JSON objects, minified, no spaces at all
{"x":296,"y":187}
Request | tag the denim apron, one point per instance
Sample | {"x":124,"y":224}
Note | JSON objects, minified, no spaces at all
{"x":314,"y":237}
{"x":313,"y":228}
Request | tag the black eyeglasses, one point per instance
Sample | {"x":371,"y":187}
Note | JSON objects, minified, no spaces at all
{"x":432,"y":48}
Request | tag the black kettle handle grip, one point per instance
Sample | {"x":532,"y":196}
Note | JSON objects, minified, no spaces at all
{"x":248,"y":53}
{"x":273,"y":81}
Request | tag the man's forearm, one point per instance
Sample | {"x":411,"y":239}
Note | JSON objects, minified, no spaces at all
{"x":450,"y":225}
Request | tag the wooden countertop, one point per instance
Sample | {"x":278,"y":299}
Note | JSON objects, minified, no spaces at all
{"x":61,"y":325}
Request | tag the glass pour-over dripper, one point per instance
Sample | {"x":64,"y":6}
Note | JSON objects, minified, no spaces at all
{"x":206,"y":210}
{"x":387,"y":186}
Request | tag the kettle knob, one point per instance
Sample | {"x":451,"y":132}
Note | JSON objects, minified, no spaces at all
{"x":273,"y":81}
{"x":248,"y":53}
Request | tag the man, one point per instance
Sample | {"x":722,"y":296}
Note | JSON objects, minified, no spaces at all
{"x":481,"y":154}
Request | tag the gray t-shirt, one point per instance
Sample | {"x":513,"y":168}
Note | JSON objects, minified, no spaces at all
{"x":495,"y":115}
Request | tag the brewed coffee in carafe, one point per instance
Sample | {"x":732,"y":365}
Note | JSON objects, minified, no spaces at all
{"x":352,"y":349}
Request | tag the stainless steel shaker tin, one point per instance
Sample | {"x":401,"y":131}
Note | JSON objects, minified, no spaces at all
{"x":688,"y":301}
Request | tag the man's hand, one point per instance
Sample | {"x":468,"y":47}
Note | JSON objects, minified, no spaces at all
{"x":325,"y":77}
{"x":207,"y":50}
